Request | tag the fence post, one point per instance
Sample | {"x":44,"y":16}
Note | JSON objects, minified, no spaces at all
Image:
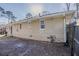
{"x":72,"y":40}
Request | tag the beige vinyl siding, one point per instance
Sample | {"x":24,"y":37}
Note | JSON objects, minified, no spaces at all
{"x":53,"y":26}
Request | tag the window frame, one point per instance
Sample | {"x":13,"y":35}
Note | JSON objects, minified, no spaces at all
{"x":40,"y":21}
{"x":20,"y":26}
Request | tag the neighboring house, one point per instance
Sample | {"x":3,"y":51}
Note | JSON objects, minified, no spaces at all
{"x":2,"y":29}
{"x":42,"y":27}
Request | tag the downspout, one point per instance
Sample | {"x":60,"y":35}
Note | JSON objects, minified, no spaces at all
{"x":11,"y":29}
{"x":65,"y":39}
{"x":64,"y":29}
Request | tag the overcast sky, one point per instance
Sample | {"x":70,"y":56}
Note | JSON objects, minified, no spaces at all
{"x":20,"y":9}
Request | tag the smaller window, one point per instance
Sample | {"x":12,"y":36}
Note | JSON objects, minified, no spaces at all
{"x":20,"y":26}
{"x":42,"y":24}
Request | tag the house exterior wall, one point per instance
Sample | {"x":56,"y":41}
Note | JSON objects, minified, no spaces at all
{"x":53,"y":26}
{"x":8,"y":30}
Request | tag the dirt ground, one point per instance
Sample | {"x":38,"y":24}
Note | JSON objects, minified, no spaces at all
{"x":18,"y":47}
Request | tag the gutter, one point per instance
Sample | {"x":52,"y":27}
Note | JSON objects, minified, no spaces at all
{"x":43,"y":16}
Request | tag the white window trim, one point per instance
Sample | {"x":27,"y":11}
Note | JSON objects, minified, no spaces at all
{"x":42,"y":19}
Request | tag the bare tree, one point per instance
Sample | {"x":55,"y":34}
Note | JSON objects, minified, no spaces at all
{"x":13,"y":18}
{"x":28,"y":15}
{"x":67,"y":9}
{"x":1,"y":11}
{"x":68,"y":6}
{"x":10,"y":16}
{"x":7,"y":14}
{"x":77,"y":9}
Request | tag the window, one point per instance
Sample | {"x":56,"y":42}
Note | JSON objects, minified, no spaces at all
{"x":17,"y":28}
{"x":20,"y":26}
{"x":42,"y":24}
